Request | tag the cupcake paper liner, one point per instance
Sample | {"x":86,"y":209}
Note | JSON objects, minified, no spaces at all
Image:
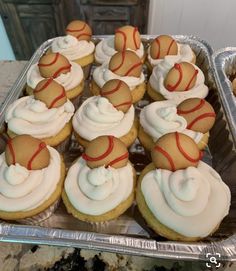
{"x":36,"y":219}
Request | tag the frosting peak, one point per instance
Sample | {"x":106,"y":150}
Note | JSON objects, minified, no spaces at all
{"x":16,"y":174}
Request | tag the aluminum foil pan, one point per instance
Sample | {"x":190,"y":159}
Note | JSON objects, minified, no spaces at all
{"x":129,"y":234}
{"x":224,"y":64}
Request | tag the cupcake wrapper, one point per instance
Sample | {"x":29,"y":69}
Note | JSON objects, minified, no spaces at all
{"x":41,"y":216}
{"x":86,"y":70}
{"x":63,"y":146}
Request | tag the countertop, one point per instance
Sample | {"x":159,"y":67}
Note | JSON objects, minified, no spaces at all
{"x":15,"y":256}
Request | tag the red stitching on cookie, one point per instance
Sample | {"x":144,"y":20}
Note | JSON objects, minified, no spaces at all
{"x":102,"y":156}
{"x":111,"y":91}
{"x":168,"y":51}
{"x":167,"y":156}
{"x":173,"y":88}
{"x":124,"y":36}
{"x":62,"y":95}
{"x":118,"y":159}
{"x":41,"y":146}
{"x":125,"y":103}
{"x":49,"y":64}
{"x":122,"y":61}
{"x":133,"y":67}
{"x":9,"y":143}
{"x":193,"y":160}
{"x":60,"y":70}
{"x":194,"y":75}
{"x":197,"y":107}
{"x":205,"y":115}
{"x":134,"y":37}
{"x":47,"y":83}
{"x":159,"y":48}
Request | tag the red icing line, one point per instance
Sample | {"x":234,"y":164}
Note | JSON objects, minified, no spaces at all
{"x":178,"y":68}
{"x":125,"y":103}
{"x":76,"y":30}
{"x":63,"y":94}
{"x":124,"y":36}
{"x":49,"y":64}
{"x":47,"y":83}
{"x":135,"y":42}
{"x":168,"y":51}
{"x":102,"y":156}
{"x":9,"y":143}
{"x":60,"y":70}
{"x":205,"y":115}
{"x":83,"y":34}
{"x":118,"y":159}
{"x":113,"y":90}
{"x":133,"y":67}
{"x":159,"y":46}
{"x":167,"y":156}
{"x":183,"y":152}
{"x":197,"y":107}
{"x":194,"y":75}
{"x":41,"y":146}
{"x":122,"y":61}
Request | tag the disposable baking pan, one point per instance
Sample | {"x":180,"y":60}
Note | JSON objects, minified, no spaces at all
{"x":128,"y":234}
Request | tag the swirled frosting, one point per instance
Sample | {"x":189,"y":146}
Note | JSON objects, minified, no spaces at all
{"x":102,"y":74}
{"x":29,"y":116}
{"x":99,"y":190}
{"x":68,"y":80}
{"x":184,"y":199}
{"x":22,"y":189}
{"x":97,"y":116}
{"x":159,"y":72}
{"x":160,"y":118}
{"x":105,"y":50}
{"x":72,"y":48}
{"x":185,"y":53}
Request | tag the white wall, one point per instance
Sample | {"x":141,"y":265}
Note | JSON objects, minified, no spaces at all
{"x":211,"y":20}
{"x":6,"y":52}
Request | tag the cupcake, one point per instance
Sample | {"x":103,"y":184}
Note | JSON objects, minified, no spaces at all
{"x":31,"y":179}
{"x":126,"y":38}
{"x":165,"y":48}
{"x":76,"y":46}
{"x":100,"y":185}
{"x":46,"y":115}
{"x":177,"y":83}
{"x":125,"y":66}
{"x":193,"y":117}
{"x":112,"y":113}
{"x":68,"y":74}
{"x":179,"y":196}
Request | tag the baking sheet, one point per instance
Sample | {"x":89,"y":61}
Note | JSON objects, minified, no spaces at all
{"x":128,"y":233}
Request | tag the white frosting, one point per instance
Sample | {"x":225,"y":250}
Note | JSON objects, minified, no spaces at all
{"x":29,"y":116}
{"x":191,"y":202}
{"x":22,"y":189}
{"x":105,"y":50}
{"x":160,"y":118}
{"x":72,"y":48}
{"x":185,"y":53}
{"x":102,"y":74}
{"x":99,"y":190}
{"x":97,"y":116}
{"x":68,"y":80}
{"x":159,"y":72}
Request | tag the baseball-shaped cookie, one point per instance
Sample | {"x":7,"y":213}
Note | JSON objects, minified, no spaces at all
{"x":106,"y":151}
{"x":27,"y":151}
{"x":118,"y":93}
{"x":79,"y":29}
{"x":181,"y":77}
{"x":199,"y":114}
{"x":50,"y":92}
{"x":162,"y":46}
{"x":127,"y":37}
{"x":126,"y":63}
{"x":175,"y":151}
{"x":53,"y":64}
